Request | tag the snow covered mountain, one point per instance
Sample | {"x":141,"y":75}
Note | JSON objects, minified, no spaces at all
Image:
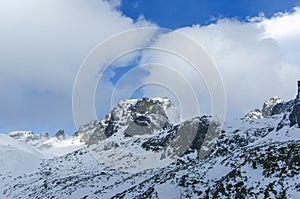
{"x":267,"y":109}
{"x":140,"y":151}
{"x":137,"y":135}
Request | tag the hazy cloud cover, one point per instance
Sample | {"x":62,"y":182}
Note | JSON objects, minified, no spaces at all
{"x":44,"y":44}
{"x":42,"y":47}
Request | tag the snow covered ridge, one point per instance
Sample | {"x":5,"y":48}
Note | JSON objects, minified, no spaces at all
{"x":138,"y":135}
{"x":131,"y":117}
{"x":48,"y":147}
{"x":266,"y":111}
{"x":249,"y":159}
{"x":276,"y":106}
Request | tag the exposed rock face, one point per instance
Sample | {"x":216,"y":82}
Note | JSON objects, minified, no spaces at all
{"x":196,"y":135}
{"x":272,"y":106}
{"x":254,"y":115}
{"x":131,"y":117}
{"x":190,"y":136}
{"x":295,"y":114}
{"x":269,"y":105}
{"x":148,"y":116}
{"x":284,"y":107}
{"x":137,"y":135}
{"x":60,"y":135}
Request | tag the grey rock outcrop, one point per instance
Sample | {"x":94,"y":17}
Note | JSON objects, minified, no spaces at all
{"x":254,"y":115}
{"x":268,"y":106}
{"x":272,"y":106}
{"x":60,"y":135}
{"x":132,"y":117}
{"x":294,"y":117}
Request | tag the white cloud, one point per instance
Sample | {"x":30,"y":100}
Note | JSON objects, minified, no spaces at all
{"x":285,"y":29}
{"x":43,"y":44}
{"x":257,"y":60}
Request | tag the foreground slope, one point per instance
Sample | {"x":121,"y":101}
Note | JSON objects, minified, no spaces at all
{"x":251,"y":159}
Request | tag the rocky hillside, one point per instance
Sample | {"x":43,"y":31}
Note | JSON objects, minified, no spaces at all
{"x":137,"y":151}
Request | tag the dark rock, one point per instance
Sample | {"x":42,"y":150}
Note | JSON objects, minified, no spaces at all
{"x":159,"y":142}
{"x":142,"y":120}
{"x":254,"y":115}
{"x":45,"y":135}
{"x":111,"y":127}
{"x":269,"y":105}
{"x":283,"y":107}
{"x":142,"y":117}
{"x":185,"y":138}
{"x":147,"y":116}
{"x":294,"y":117}
{"x":60,"y":135}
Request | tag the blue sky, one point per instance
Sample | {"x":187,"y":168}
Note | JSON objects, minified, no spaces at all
{"x":43,"y":46}
{"x":174,"y":14}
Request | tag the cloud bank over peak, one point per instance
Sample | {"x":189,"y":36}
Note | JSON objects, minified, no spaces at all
{"x":42,"y":47}
{"x":44,"y":43}
{"x":256,"y":59}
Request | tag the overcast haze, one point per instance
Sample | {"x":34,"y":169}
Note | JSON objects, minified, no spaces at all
{"x":44,"y":43}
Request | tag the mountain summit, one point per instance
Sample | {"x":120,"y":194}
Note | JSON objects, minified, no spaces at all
{"x":138,"y":135}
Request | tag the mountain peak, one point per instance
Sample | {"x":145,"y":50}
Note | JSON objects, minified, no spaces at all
{"x":131,"y":117}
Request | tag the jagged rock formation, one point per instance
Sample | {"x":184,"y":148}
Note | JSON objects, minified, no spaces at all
{"x":60,"y":135}
{"x":284,"y":107}
{"x":137,"y":132}
{"x":250,"y":160}
{"x":269,"y":105}
{"x":133,"y":117}
{"x":295,"y":114}
{"x":254,"y":115}
{"x":246,"y":159}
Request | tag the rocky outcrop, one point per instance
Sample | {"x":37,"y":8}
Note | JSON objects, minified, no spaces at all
{"x":131,"y":117}
{"x":148,"y":116}
{"x":60,"y":135}
{"x":269,"y":105}
{"x":188,"y":137}
{"x":254,"y":115}
{"x":272,"y":106}
{"x":295,"y":114}
{"x":285,"y":107}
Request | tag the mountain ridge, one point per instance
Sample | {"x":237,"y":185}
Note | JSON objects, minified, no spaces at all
{"x":248,"y":158}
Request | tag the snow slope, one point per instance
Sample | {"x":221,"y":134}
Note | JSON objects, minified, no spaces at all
{"x":16,"y":160}
{"x":250,"y":159}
